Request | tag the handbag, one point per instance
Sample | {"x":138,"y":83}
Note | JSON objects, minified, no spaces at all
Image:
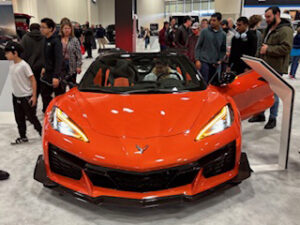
{"x":295,"y":52}
{"x":82,"y":49}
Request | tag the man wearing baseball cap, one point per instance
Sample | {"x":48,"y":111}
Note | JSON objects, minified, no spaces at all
{"x":23,"y":91}
{"x":192,"y":41}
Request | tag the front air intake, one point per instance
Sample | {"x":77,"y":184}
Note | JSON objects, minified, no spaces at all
{"x":65,"y":164}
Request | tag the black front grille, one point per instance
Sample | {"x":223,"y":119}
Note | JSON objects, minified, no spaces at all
{"x":142,"y":182}
{"x":218,"y":162}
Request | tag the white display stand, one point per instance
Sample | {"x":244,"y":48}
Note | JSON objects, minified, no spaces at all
{"x":6,"y":105}
{"x":286,"y":93}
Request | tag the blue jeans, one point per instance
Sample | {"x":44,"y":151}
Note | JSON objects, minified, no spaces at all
{"x":295,"y":63}
{"x":163,"y":48}
{"x":274,"y":108}
{"x":207,"y":70}
{"x":147,"y":42}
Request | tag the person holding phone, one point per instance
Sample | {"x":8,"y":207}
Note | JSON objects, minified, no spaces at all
{"x":24,"y":91}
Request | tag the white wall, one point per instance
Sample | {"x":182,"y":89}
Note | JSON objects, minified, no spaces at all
{"x":94,"y":12}
{"x":229,"y":8}
{"x":106,"y":10}
{"x":103,"y":12}
{"x":150,"y":11}
{"x":77,"y":10}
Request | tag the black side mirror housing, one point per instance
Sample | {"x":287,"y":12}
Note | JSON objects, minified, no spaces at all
{"x":228,"y":77}
{"x":224,"y":79}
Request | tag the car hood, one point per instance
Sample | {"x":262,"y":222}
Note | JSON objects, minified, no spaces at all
{"x":142,"y":116}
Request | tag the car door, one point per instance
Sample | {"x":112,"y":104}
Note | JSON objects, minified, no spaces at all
{"x":251,"y":93}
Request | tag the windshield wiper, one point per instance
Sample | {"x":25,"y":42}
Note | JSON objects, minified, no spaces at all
{"x":151,"y":90}
{"x":140,"y":91}
{"x":100,"y":90}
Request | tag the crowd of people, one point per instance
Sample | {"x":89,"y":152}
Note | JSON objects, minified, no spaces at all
{"x":45,"y":57}
{"x":217,"y":45}
{"x":45,"y":62}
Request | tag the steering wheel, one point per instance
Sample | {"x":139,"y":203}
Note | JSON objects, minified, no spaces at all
{"x":176,"y":74}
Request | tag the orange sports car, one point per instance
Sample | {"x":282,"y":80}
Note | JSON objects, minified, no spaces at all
{"x":147,"y":129}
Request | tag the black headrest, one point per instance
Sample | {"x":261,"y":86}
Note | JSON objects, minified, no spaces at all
{"x":122,"y":68}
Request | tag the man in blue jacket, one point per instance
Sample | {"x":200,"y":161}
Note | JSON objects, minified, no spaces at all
{"x":100,"y":36}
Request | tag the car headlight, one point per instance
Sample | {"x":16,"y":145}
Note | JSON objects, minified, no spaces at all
{"x":220,"y":122}
{"x":63,"y":124}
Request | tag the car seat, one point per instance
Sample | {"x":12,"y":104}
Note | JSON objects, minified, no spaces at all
{"x":120,"y":75}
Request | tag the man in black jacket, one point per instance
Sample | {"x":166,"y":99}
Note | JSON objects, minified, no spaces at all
{"x":78,"y":32}
{"x":33,"y":43}
{"x":88,"y":40}
{"x":183,"y":33}
{"x":51,"y":73}
{"x":243,"y":43}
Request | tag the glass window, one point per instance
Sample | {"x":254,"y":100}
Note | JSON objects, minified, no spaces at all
{"x":212,"y":5}
{"x":204,"y":6}
{"x":180,"y":7}
{"x":188,"y":6}
{"x":173,"y":8}
{"x":196,"y":6}
{"x":167,"y":8}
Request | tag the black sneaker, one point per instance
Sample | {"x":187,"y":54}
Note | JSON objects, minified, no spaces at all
{"x":271,"y":124}
{"x":257,"y":119}
{"x":4,"y":175}
{"x":19,"y":141}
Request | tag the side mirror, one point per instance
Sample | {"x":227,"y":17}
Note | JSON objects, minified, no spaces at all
{"x":223,"y":79}
{"x":228,"y":77}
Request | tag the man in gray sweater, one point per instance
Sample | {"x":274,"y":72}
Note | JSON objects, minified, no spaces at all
{"x":211,"y":48}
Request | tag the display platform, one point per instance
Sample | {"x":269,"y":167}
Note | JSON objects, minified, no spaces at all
{"x":6,"y":107}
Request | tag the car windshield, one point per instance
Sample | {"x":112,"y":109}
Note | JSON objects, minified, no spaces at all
{"x":141,"y":73}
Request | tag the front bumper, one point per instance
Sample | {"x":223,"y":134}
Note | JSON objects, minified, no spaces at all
{"x":41,"y":176}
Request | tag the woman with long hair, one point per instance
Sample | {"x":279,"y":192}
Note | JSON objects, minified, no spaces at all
{"x":71,"y":52}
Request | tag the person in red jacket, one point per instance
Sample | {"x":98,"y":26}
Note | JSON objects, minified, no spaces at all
{"x":163,"y":36}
